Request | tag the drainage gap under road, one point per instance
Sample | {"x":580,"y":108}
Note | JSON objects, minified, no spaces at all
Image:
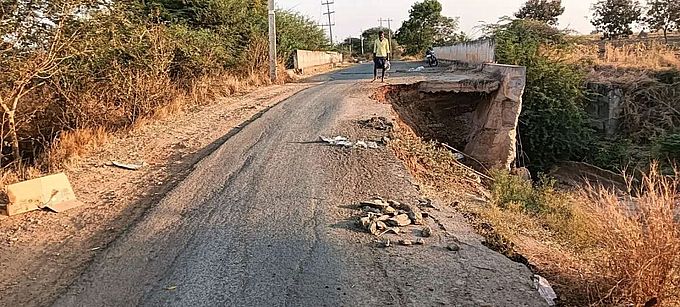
{"x":477,"y":115}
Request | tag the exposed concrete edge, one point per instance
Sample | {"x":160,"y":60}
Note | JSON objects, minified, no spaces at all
{"x":494,"y":139}
{"x":459,"y":86}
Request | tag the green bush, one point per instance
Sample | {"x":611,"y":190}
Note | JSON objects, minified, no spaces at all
{"x":553,"y":124}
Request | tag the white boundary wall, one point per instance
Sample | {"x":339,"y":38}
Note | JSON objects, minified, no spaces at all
{"x":477,"y":52}
{"x":305,"y":58}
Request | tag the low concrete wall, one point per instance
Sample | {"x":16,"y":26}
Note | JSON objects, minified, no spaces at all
{"x":475,"y":53}
{"x":306,"y":59}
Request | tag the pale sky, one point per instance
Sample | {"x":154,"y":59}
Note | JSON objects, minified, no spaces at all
{"x":351,"y":16}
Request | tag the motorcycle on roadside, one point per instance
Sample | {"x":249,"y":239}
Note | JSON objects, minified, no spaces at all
{"x":431,"y":58}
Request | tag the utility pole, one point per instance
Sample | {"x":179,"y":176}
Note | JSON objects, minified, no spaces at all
{"x":272,"y":40}
{"x":350,"y":46}
{"x":389,"y":26}
{"x":362,"y":42}
{"x":330,"y":22}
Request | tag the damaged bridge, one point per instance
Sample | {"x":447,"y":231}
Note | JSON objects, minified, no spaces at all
{"x":476,"y":111}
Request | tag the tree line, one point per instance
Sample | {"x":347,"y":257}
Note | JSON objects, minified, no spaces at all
{"x":613,"y":18}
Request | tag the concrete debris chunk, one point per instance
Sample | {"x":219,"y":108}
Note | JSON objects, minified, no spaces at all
{"x":377,"y":123}
{"x":426,"y":232}
{"x":453,"y":247}
{"x":389,"y":210}
{"x":342,"y":141}
{"x":399,"y":221}
{"x":361,"y":144}
{"x":381,"y":225}
{"x":416,"y":215}
{"x":338,"y":141}
{"x":545,"y":290}
{"x":375,"y":203}
{"x":419,"y":241}
{"x":405,"y":242}
{"x":371,"y":209}
{"x":373,"y":228}
{"x":416,"y":69}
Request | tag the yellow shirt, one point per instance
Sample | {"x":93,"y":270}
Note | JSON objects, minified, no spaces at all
{"x":381,"y":48}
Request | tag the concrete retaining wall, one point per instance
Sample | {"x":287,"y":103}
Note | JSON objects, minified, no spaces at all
{"x":475,"y":53}
{"x":306,"y":59}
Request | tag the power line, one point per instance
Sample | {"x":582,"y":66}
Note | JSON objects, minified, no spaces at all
{"x":330,"y":22}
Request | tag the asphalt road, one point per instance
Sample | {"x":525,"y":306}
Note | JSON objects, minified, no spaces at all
{"x":263,"y":221}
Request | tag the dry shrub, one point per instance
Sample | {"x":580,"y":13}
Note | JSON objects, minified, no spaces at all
{"x":649,"y":56}
{"x":70,"y":145}
{"x":431,"y":163}
{"x":640,"y":240}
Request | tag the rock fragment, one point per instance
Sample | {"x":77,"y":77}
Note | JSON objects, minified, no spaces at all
{"x":426,"y":232}
{"x":399,"y":221}
{"x":419,"y":241}
{"x":453,"y":247}
{"x":405,"y":242}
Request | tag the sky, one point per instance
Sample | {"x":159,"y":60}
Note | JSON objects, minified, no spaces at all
{"x":352,"y":16}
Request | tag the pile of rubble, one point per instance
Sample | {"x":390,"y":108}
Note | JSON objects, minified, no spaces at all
{"x":388,"y":216}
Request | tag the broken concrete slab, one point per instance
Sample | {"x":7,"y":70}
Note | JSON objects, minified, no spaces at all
{"x":399,"y":221}
{"x":426,"y":232}
{"x":53,"y":192}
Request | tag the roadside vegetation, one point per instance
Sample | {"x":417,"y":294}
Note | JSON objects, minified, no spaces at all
{"x":73,"y":71}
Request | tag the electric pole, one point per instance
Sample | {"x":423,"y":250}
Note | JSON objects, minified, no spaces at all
{"x":272,"y":40}
{"x":362,"y":42}
{"x":330,"y":22}
{"x":389,"y":26}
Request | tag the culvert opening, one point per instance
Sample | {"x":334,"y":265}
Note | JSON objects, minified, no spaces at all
{"x":478,"y":117}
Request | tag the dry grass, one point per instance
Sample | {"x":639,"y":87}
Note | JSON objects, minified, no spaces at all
{"x":641,"y":56}
{"x":640,"y":239}
{"x":594,"y":245}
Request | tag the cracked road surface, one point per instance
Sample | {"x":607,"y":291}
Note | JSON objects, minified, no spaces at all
{"x":263,"y":221}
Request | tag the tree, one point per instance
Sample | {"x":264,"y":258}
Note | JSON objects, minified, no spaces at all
{"x":663,"y":15}
{"x":541,"y":10}
{"x":423,"y":27}
{"x":296,"y":31}
{"x":614,"y":18}
{"x":446,"y":32}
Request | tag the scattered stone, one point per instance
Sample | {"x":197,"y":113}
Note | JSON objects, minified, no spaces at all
{"x":361,"y":144}
{"x":426,"y":232}
{"x":381,"y":225}
{"x":416,"y":215}
{"x":378,"y":123}
{"x":384,"y":218}
{"x":375,"y":203}
{"x":405,"y":242}
{"x":453,"y":247}
{"x":399,"y":221}
{"x":419,"y":241}
{"x":389,"y":210}
{"x":394,"y":204}
{"x":364,"y":222}
{"x":371,"y":209}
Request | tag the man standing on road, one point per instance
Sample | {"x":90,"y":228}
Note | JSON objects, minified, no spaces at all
{"x":381,"y":54}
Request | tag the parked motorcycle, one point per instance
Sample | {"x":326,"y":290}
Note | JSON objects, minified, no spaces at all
{"x":431,"y":59}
